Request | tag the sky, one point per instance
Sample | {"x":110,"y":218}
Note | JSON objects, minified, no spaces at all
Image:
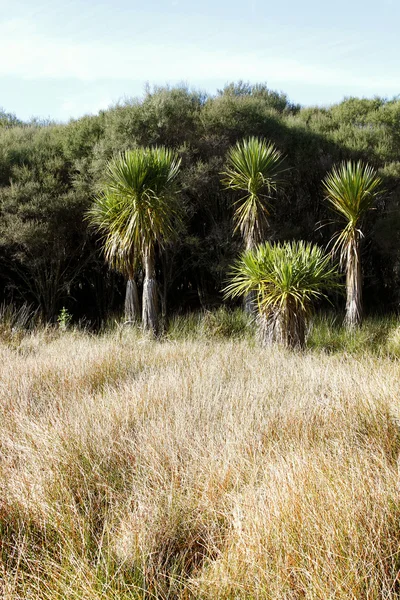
{"x":61,"y":59}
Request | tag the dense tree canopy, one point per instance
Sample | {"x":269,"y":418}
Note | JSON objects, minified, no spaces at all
{"x":50,"y":173}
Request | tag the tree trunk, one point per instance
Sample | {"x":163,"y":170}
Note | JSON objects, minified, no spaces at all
{"x":296,"y":329}
{"x":164,"y":290}
{"x":150,"y":299}
{"x":250,"y":303}
{"x":353,"y":316}
{"x":285,"y":327}
{"x":132,"y":308}
{"x":265,"y":330}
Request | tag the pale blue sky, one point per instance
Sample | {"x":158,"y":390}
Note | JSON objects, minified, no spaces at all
{"x":66,"y":58}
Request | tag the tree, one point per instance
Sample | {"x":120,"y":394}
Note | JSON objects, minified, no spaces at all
{"x":8,"y":119}
{"x":43,"y":240}
{"x":254,"y":167}
{"x":351,"y":190}
{"x":137,"y":210}
{"x":286,"y":278}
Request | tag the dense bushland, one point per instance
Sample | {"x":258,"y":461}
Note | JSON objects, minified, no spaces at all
{"x":49,"y":174}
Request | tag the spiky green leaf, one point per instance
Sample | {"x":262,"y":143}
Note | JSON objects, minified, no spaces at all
{"x":254,"y":167}
{"x":137,"y":207}
{"x":289,"y":275}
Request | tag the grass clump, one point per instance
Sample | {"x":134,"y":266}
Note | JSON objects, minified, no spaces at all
{"x":15,"y":322}
{"x":376,"y":335}
{"x":221,"y":323}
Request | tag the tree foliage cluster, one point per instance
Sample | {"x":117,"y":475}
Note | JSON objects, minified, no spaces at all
{"x":50,"y":173}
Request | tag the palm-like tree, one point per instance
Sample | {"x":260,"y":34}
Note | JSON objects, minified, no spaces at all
{"x":286,"y":278}
{"x":254,"y":166}
{"x":351,"y":189}
{"x":137,"y":210}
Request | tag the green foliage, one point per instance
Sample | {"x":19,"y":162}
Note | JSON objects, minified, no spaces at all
{"x":81,"y":136}
{"x":254,"y":167}
{"x":50,"y":173}
{"x":8,"y":119}
{"x":42,"y":236}
{"x":295,"y":273}
{"x":137,"y":208}
{"x":212,"y":324}
{"x":379,"y":335}
{"x":64,"y":319}
{"x":351,"y":189}
{"x":165,"y":116}
{"x":224,"y":323}
{"x":272,"y":99}
{"x":286,"y":279}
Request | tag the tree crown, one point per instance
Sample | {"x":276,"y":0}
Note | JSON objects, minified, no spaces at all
{"x":294,"y":273}
{"x":254,"y":167}
{"x":351,"y":190}
{"x":137,"y":207}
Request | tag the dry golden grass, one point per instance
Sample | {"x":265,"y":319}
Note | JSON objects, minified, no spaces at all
{"x":131,"y":468}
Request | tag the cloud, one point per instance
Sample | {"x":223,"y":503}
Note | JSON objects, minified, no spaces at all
{"x":32,"y":55}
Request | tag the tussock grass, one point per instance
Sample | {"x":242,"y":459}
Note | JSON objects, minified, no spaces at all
{"x":208,"y":469}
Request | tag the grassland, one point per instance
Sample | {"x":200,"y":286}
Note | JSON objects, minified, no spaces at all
{"x":199,"y":466}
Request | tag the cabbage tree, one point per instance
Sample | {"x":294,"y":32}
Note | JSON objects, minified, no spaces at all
{"x":254,"y":167}
{"x":136,"y":211}
{"x":351,"y":189}
{"x":287,"y":280}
